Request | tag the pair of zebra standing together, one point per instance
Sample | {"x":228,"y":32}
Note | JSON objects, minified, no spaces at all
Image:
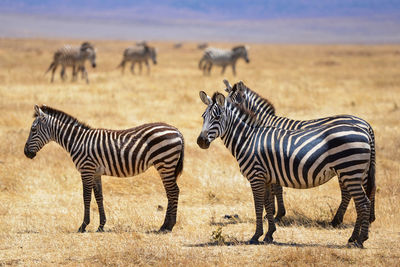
{"x":75,"y":57}
{"x":269,"y":149}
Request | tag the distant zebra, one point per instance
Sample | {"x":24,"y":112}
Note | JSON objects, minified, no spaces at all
{"x":265,"y":114}
{"x":302,"y":158}
{"x":222,"y":58}
{"x":75,"y":57}
{"x":138,"y":54}
{"x":120,"y":153}
{"x":178,"y":45}
{"x":202,"y":46}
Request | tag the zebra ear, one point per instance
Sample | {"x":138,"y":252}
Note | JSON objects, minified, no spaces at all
{"x":241,"y":86}
{"x":228,"y":88}
{"x":205,"y":98}
{"x":220,"y":99}
{"x":39,"y":112}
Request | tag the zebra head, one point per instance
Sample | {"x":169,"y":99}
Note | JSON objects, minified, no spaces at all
{"x":241,"y":52}
{"x":89,"y":52}
{"x":39,"y":134}
{"x":237,"y":93}
{"x":153,"y":55}
{"x":214,"y":119}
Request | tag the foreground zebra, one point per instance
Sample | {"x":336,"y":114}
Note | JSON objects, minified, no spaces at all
{"x":222,"y":58}
{"x":265,"y":114}
{"x":301,"y":158}
{"x":75,"y":57}
{"x":140,"y":53}
{"x":120,"y":153}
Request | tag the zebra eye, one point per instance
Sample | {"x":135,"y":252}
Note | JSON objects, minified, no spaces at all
{"x":33,"y":129}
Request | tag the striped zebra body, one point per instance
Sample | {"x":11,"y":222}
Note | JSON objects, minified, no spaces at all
{"x":265,"y":115}
{"x":120,"y":153}
{"x":223,"y":58}
{"x":75,"y":57}
{"x":302,"y":158}
{"x":140,"y":53}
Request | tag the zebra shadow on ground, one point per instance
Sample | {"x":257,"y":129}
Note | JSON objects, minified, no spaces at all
{"x":247,"y":243}
{"x":297,"y":219}
{"x":300,"y":219}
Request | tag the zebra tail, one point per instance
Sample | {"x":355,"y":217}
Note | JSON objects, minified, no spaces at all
{"x":179,"y":167}
{"x":120,"y":64}
{"x":52,"y":65}
{"x":371,"y":185}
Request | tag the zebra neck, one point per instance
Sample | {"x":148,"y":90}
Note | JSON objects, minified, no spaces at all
{"x":239,"y":127}
{"x":69,"y":135}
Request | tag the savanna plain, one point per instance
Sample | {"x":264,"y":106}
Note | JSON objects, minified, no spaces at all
{"x":41,"y":205}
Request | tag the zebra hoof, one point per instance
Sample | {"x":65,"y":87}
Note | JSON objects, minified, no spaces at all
{"x":335,"y":223}
{"x":268,"y":239}
{"x":164,"y":230}
{"x":355,"y":244}
{"x":81,"y":230}
{"x":100,"y":229}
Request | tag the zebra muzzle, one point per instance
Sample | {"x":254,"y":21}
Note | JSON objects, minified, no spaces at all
{"x":203,"y":142}
{"x":28,"y":153}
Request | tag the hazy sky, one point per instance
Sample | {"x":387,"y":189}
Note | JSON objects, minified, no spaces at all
{"x":287,"y":21}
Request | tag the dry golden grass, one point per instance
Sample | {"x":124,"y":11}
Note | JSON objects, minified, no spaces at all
{"x":41,"y":204}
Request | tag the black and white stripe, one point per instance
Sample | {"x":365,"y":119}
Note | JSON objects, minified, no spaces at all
{"x":214,"y":56}
{"x":302,"y":158}
{"x":265,"y":114}
{"x":140,"y":53}
{"x":120,"y":153}
{"x":75,"y":57}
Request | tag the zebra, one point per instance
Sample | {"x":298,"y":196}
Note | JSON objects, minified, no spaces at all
{"x":138,"y":54}
{"x":202,"y":46}
{"x":265,"y":113}
{"x":121,"y":153}
{"x":302,"y":158}
{"x":222,"y":58}
{"x":75,"y":57}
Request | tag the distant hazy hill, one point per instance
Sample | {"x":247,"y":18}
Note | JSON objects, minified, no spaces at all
{"x":334,"y":21}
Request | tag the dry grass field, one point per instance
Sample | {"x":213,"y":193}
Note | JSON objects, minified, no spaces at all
{"x":41,"y":204}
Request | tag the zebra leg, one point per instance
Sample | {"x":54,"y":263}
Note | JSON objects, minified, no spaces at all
{"x":62,"y":73}
{"x":148,"y":66}
{"x":172,"y":191}
{"x":52,"y":72}
{"x":338,"y":219}
{"x":266,"y":204}
{"x":258,"y":188}
{"x":360,"y":232}
{"x":205,"y":68}
{"x":87,"y":182}
{"x":234,"y":69}
{"x":278,"y":191}
{"x":85,"y":74}
{"x":209,"y":68}
{"x":223,"y":69}
{"x":98,"y":194}
{"x":269,"y":200}
{"x":74,"y":73}
{"x":133,"y":68}
{"x":140,"y":67}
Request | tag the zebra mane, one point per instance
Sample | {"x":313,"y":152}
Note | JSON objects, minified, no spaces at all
{"x":86,"y":45}
{"x":58,"y":113}
{"x":249,"y":116}
{"x":238,"y":47}
{"x":235,"y":87}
